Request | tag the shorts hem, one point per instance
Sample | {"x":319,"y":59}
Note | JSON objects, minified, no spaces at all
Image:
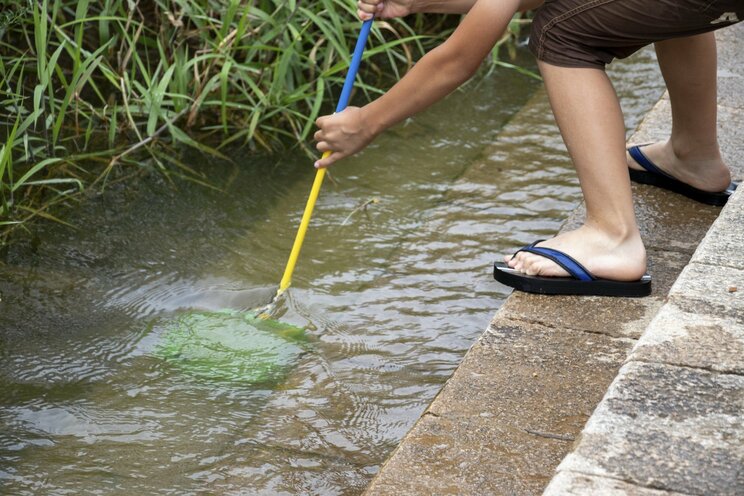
{"x":555,"y":59}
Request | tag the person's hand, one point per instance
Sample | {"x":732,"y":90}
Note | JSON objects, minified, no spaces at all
{"x":344,"y":134}
{"x":383,"y":9}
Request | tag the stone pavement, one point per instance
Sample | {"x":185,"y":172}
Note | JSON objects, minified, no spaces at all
{"x":672,"y":421}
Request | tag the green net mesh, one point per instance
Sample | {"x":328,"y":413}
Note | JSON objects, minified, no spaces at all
{"x":231,"y":346}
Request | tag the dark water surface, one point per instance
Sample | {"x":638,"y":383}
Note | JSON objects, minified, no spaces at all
{"x":391,"y":297}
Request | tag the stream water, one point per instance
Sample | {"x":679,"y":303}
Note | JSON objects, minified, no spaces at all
{"x":391,"y":296}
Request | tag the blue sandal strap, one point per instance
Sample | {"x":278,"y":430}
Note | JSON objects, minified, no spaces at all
{"x":528,"y":247}
{"x":568,"y":263}
{"x":643,"y":161}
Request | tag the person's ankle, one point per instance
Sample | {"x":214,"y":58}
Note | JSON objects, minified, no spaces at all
{"x":694,"y":150}
{"x":617,"y":231}
{"x":699,"y":164}
{"x":622,"y":238}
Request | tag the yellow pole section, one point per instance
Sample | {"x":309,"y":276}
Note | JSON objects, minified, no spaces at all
{"x":297,"y":246}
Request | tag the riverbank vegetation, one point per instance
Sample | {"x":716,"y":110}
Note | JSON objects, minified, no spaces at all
{"x":93,"y":92}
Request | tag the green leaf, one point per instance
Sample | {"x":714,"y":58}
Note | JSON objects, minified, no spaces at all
{"x":184,"y":138}
{"x":319,"y":91}
{"x":225,"y":74}
{"x":33,"y":170}
{"x":156,"y":101}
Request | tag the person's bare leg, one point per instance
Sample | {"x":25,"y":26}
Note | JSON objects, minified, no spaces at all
{"x":588,"y":114}
{"x":691,"y":154}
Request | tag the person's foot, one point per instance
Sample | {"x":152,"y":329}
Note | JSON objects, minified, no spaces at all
{"x":604,"y":256}
{"x":700,"y":169}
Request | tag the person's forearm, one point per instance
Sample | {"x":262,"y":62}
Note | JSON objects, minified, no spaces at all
{"x":445,"y":68}
{"x":430,"y":80}
{"x":442,"y":6}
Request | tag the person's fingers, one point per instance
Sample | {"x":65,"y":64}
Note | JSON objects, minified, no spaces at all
{"x":320,"y":121}
{"x":370,"y":6}
{"x":330,"y":159}
{"x":322,"y":146}
{"x":318,"y":136}
{"x":366,"y":9}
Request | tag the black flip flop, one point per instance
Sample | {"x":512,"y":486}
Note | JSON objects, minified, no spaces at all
{"x":657,"y":177}
{"x":582,"y":282}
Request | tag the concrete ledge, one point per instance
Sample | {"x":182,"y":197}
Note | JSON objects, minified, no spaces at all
{"x":723,"y":244}
{"x":698,"y":340}
{"x":702,"y":325}
{"x":517,"y":370}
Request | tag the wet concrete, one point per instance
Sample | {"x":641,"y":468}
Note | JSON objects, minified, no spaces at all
{"x":518,"y":402}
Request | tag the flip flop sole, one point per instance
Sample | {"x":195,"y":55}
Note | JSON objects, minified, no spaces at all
{"x":570,"y":286}
{"x":717,"y":199}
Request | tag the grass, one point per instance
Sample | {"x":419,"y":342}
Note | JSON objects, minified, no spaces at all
{"x":92,"y":92}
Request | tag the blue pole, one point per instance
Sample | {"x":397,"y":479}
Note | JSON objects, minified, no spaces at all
{"x":356,"y":59}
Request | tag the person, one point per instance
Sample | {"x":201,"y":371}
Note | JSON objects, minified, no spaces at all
{"x":573,"y":41}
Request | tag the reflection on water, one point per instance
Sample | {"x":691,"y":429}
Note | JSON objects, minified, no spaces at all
{"x":391,"y":296}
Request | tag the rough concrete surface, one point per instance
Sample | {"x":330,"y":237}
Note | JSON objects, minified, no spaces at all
{"x":666,"y":427}
{"x":722,"y":246}
{"x":693,"y":339}
{"x":710,"y":289}
{"x":731,"y":134}
{"x":671,"y":422}
{"x":581,"y":484}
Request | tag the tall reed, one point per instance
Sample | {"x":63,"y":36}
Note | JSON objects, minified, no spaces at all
{"x":87,"y":88}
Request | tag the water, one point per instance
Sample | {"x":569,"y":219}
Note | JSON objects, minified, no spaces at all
{"x":391,"y":296}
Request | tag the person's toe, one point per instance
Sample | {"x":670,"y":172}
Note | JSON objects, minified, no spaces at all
{"x":542,"y":267}
{"x":516,"y":260}
{"x":532,"y":269}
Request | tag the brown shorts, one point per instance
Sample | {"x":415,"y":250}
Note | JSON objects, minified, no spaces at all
{"x":591,"y":33}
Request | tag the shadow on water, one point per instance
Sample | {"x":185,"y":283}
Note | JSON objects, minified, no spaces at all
{"x":392,"y":287}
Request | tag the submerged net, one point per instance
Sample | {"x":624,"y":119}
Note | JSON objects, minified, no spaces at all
{"x":231,"y":346}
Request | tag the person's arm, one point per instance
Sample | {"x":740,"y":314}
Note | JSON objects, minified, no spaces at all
{"x":435,"y":76}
